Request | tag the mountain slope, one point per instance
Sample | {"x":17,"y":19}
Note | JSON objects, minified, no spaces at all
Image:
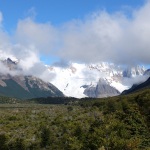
{"x":26,"y":87}
{"x":13,"y":89}
{"x":15,"y":84}
{"x":138,"y":87}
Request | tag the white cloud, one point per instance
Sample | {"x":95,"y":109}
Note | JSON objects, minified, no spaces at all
{"x":101,"y":36}
{"x":136,"y":80}
{"x":6,"y":70}
{"x":29,"y":40}
{"x":95,"y":39}
{"x":27,"y":50}
{"x":109,"y":37}
{"x":42,"y":36}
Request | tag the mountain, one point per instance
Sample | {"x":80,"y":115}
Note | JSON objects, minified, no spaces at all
{"x":102,"y":89}
{"x":12,"y":65}
{"x":147,"y":72}
{"x":79,"y":80}
{"x":25,"y":87}
{"x":83,"y":80}
{"x":138,"y":87}
{"x":131,"y":72}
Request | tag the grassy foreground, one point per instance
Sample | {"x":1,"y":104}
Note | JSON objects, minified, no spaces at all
{"x":118,"y":123}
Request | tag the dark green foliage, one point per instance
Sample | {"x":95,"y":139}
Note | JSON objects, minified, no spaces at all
{"x":8,"y":100}
{"x":45,"y":136}
{"x":70,"y":108}
{"x":53,"y":100}
{"x":3,"y":141}
{"x":17,"y":144}
{"x":117,"y":123}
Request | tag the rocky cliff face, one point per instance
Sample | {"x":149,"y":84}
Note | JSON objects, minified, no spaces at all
{"x":102,"y":89}
{"x":131,"y":72}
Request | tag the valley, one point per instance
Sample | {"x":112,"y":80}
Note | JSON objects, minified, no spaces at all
{"x":120,"y":122}
{"x":75,"y":75}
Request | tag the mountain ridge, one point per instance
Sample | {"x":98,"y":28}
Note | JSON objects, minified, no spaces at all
{"x":24,"y":86}
{"x":76,"y":79}
{"x":138,"y":87}
{"x":81,"y":80}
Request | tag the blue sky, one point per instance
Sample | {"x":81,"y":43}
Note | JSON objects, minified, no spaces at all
{"x":104,"y":37}
{"x":59,"y":11}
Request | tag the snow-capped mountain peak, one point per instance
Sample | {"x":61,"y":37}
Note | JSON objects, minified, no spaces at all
{"x":76,"y":78}
{"x":79,"y":80}
{"x":134,"y":71}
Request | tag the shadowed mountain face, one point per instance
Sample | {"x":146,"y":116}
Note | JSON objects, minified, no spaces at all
{"x":26,"y":87}
{"x":138,"y":87}
{"x":147,"y":72}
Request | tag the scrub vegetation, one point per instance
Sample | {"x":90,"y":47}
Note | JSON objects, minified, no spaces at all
{"x":117,"y":123}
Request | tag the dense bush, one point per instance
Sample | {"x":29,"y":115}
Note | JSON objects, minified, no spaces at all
{"x":117,"y":123}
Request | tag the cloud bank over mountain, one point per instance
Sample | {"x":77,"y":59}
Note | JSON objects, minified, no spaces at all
{"x":109,"y":37}
{"x":101,"y":36}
